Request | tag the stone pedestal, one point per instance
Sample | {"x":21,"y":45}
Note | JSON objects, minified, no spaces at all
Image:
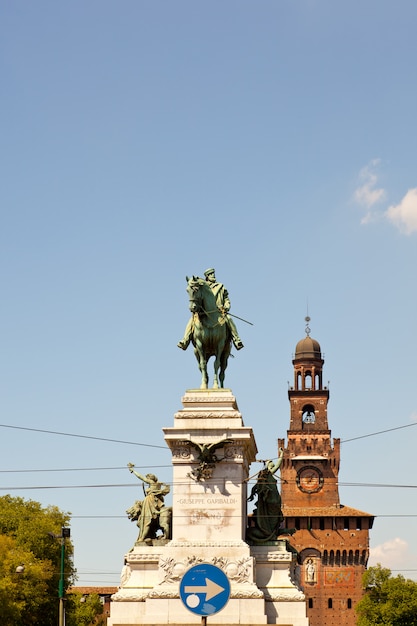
{"x":211,"y":454}
{"x":276,"y":576}
{"x":211,"y":507}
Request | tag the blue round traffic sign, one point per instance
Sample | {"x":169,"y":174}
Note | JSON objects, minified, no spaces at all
{"x":204,"y":589}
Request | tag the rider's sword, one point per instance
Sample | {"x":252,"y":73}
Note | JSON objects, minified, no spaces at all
{"x":239,"y":318}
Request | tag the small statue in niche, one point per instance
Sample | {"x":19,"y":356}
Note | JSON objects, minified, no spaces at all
{"x":151,"y":515}
{"x":310,"y":570}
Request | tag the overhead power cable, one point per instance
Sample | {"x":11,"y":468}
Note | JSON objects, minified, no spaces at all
{"x":406,"y":515}
{"x":66,"y":487}
{"x":54,"y":432}
{"x":379,"y":432}
{"x":376,"y":515}
{"x":134,"y":485}
{"x":99,"y":573}
{"x":377,"y":485}
{"x":79,"y":469}
{"x":149,"y":445}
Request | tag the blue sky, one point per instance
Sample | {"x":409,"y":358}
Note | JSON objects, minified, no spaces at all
{"x":144,"y":141}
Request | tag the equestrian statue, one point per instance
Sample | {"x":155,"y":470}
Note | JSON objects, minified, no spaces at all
{"x":211,"y":329}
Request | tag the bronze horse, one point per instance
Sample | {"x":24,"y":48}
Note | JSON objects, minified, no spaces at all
{"x":211,"y":335}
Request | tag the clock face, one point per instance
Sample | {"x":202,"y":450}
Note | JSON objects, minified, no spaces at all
{"x":309,"y":479}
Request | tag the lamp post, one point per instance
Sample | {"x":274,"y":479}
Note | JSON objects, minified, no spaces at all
{"x":65,"y":532}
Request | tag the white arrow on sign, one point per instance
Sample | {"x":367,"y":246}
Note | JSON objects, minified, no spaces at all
{"x":211,"y":589}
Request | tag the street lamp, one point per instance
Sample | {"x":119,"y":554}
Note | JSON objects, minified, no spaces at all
{"x":65,"y":532}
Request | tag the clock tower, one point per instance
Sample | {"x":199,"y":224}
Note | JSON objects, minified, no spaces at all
{"x":332,"y":540}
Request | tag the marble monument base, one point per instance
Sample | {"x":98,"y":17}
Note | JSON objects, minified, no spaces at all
{"x":261,"y":577}
{"x":212,"y":451}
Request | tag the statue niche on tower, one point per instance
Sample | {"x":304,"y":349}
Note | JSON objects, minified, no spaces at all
{"x":151,"y":515}
{"x":265,"y":525}
{"x":211,"y":329}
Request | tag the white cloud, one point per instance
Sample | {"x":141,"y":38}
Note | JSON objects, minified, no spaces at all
{"x":404,"y":214}
{"x":394,"y":554}
{"x":368,"y":194}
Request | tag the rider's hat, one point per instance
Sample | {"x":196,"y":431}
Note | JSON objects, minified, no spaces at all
{"x":209,"y":271}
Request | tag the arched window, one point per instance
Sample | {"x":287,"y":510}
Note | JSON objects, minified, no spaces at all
{"x":310,"y":603}
{"x":330,"y":603}
{"x":349,"y":603}
{"x":309,"y":416}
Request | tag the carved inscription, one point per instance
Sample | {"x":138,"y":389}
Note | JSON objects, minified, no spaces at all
{"x":217,"y":501}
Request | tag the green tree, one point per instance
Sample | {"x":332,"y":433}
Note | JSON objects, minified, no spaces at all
{"x":84,"y":610}
{"x":28,"y":542}
{"x":389,"y":600}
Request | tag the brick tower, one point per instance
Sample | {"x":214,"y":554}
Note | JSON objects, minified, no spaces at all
{"x":332,"y":539}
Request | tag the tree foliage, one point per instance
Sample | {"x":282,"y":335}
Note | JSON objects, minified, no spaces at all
{"x":27,"y":539}
{"x":389,"y":600}
{"x":84,"y":610}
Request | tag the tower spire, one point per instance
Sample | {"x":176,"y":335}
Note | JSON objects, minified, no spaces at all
{"x":308,"y":330}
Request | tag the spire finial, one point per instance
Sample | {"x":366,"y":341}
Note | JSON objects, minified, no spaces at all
{"x":307,"y":319}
